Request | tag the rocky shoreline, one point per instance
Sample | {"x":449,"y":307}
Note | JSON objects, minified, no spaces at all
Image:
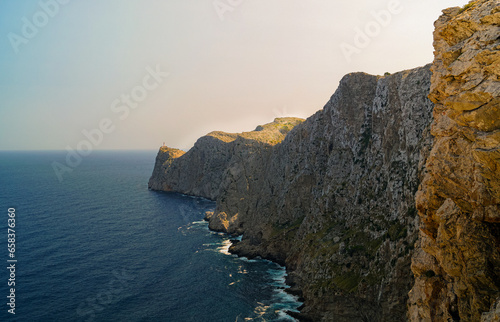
{"x":351,"y":216}
{"x":292,"y":290}
{"x":370,"y":197}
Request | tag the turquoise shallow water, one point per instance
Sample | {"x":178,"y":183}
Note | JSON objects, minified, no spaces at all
{"x":99,"y":246}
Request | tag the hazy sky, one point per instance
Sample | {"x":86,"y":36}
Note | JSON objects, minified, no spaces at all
{"x":152,"y":71}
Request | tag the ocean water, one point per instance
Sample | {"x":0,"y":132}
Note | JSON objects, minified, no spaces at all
{"x":99,"y":246}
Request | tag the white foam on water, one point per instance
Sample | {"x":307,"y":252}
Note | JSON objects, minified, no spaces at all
{"x":211,"y":244}
{"x":283,"y":316}
{"x":281,"y":301}
{"x":247,"y":260}
{"x":224,"y":249}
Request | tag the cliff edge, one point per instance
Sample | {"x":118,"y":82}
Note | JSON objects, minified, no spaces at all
{"x":377,"y":214}
{"x":457,"y":262}
{"x":201,"y":170}
{"x":333,"y":200}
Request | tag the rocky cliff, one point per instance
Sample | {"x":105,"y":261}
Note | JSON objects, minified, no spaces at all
{"x":334,"y":201}
{"x":457,"y":262}
{"x":201,"y":170}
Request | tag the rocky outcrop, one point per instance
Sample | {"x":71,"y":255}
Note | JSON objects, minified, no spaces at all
{"x":159,"y":180}
{"x":457,"y":262}
{"x":201,"y":170}
{"x":334,"y":201}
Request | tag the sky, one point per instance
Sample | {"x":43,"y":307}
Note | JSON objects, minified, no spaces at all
{"x":134,"y":74}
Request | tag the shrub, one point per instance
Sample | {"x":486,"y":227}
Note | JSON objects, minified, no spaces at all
{"x":467,"y":6}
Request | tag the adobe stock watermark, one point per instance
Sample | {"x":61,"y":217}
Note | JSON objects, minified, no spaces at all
{"x":31,"y":27}
{"x":121,"y":107}
{"x":281,"y":112}
{"x":109,"y":294}
{"x":224,"y":6}
{"x":373,"y":28}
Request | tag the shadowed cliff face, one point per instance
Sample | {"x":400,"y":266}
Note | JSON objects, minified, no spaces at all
{"x":457,"y":263}
{"x":164,"y":158}
{"x":201,"y":170}
{"x":334,"y":201}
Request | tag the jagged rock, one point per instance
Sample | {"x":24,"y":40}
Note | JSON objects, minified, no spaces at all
{"x":493,"y":315}
{"x":458,"y":267}
{"x":164,"y":159}
{"x":208,"y":215}
{"x":334,"y":201}
{"x":200,"y":171}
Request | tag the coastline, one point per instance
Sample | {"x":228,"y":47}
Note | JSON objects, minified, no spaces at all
{"x":324,"y":197}
{"x":286,"y":285}
{"x":291,"y":286}
{"x":365,"y":202}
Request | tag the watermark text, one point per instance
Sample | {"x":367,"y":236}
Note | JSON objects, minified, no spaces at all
{"x":120,"y":106}
{"x":222,"y":7}
{"x":363,"y":37}
{"x":32,"y":26}
{"x":11,"y":261}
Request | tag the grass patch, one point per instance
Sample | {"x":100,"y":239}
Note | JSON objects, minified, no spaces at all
{"x":347,"y":282}
{"x":373,"y":278}
{"x":467,"y":6}
{"x":397,"y":231}
{"x":288,"y":228}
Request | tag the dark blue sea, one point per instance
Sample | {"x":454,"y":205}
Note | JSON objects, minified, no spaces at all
{"x":99,"y":246}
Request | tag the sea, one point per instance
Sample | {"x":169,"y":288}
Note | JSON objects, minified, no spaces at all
{"x":97,"y":245}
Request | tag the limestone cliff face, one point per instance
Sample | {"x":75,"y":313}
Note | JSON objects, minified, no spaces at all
{"x":457,"y":262}
{"x":164,"y":159}
{"x":334,"y":200}
{"x":201,"y":170}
